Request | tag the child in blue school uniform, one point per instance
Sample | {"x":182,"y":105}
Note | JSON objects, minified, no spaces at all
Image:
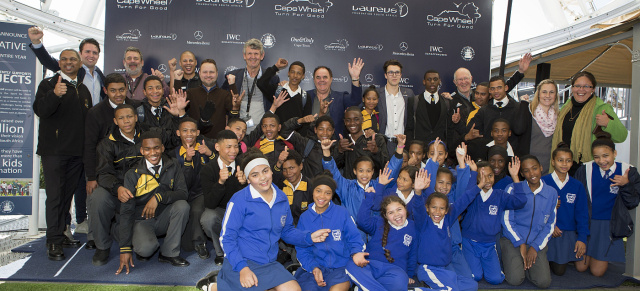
{"x":257,"y":217}
{"x":393,"y":234}
{"x":527,"y":231}
{"x":351,"y":192}
{"x":481,"y":224}
{"x":437,"y":151}
{"x":433,"y":227}
{"x":613,"y":189}
{"x":498,"y":159}
{"x":569,"y":238}
{"x":331,"y":265}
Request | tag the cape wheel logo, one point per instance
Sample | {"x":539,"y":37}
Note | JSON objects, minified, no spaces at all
{"x":198,"y":35}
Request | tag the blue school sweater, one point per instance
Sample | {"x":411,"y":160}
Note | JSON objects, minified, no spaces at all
{"x":402,"y":243}
{"x":573,"y":213}
{"x":251,"y":229}
{"x":349,"y":191}
{"x":534,"y":223}
{"x":434,"y":246}
{"x":503,"y":183}
{"x":482,"y":221}
{"x":343,"y":241}
{"x":603,"y":195}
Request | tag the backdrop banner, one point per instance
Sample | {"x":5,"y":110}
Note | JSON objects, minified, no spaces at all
{"x":17,"y":92}
{"x":422,"y":34}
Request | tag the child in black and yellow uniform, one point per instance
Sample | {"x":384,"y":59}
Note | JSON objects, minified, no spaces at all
{"x":194,"y":152}
{"x":369,"y":113}
{"x":158,"y":206}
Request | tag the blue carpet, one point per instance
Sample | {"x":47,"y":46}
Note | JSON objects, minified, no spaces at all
{"x":80,"y":270}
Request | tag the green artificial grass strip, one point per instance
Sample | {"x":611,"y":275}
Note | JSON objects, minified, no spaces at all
{"x":85,"y":287}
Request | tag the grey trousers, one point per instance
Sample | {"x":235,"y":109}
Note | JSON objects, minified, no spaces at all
{"x":102,"y":211}
{"x":539,"y":274}
{"x":211,"y":222}
{"x":171,"y":222}
{"x":193,"y":233}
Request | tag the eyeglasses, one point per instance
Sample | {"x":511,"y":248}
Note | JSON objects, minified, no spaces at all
{"x":582,"y":87}
{"x":394,"y":73}
{"x":464,"y":79}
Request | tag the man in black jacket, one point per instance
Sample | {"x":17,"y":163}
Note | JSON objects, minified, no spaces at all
{"x":157,"y":206}
{"x":221,"y":178}
{"x":62,"y":104}
{"x":116,"y":154}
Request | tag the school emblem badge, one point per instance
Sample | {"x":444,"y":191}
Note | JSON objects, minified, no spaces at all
{"x":407,"y":240}
{"x":571,"y":198}
{"x":303,"y":205}
{"x":337,"y":235}
{"x":493,"y":209}
{"x":283,"y":219}
{"x":614,"y":189}
{"x":546,"y":218}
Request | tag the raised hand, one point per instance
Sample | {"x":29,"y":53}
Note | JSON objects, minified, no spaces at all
{"x":402,"y":139}
{"x":242,"y":179}
{"x":35,"y":34}
{"x":281,"y":63}
{"x":384,"y":179}
{"x":231,"y":78}
{"x":203,"y":149}
{"x":620,"y":180}
{"x":413,"y":160}
{"x":371,"y":145}
{"x":191,"y":152}
{"x":177,"y":74}
{"x":173,"y":64}
{"x":471,"y":163}
{"x":483,"y":180}
{"x":369,"y":132}
{"x":355,"y":68}
{"x":60,"y":88}
{"x":281,"y":99}
{"x":456,"y":116}
{"x":446,"y":95}
{"x":436,"y":153}
{"x":422,"y":181}
{"x":283,"y":157}
{"x":344,"y":144}
{"x":237,"y":99}
{"x":224,"y":175}
{"x":326,"y":147}
{"x":514,"y":169}
{"x":307,"y":119}
{"x":523,"y":65}
{"x":157,"y":73}
{"x":324,"y":107}
{"x":177,"y":101}
{"x":602,"y":119}
{"x":461,"y":154}
{"x":473,"y":133}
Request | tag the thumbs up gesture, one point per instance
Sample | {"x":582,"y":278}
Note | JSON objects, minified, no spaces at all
{"x":191,"y":151}
{"x":204,"y":149}
{"x":371,"y":145}
{"x":283,"y":157}
{"x":602,"y":119}
{"x":60,"y":88}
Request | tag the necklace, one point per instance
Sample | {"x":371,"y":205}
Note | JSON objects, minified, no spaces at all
{"x":571,"y":117}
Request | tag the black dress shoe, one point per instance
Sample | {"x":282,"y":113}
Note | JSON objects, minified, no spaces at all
{"x":70,"y":243}
{"x":202,"y":251}
{"x":141,"y":258}
{"x":219,"y":260}
{"x":175,"y":261}
{"x":91,"y":245}
{"x":54,"y":252}
{"x":100,"y":257}
{"x":208,"y":279}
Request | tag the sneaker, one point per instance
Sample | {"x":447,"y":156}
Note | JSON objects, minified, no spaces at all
{"x":82,"y":227}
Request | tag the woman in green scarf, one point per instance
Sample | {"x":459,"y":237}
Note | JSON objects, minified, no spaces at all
{"x":584,"y":115}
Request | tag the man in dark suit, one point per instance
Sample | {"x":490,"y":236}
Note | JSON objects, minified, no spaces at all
{"x":62,"y":104}
{"x":337,"y":101}
{"x":254,"y":103}
{"x":393,"y":104}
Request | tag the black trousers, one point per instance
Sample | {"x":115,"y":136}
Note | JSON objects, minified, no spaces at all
{"x":61,"y":175}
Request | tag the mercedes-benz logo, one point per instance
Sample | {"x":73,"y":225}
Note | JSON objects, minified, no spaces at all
{"x":368,"y":78}
{"x":198,"y":35}
{"x":404,"y":46}
{"x":162,"y":68}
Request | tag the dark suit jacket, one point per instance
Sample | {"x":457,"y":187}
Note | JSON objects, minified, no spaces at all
{"x":240,"y":73}
{"x":50,"y":63}
{"x":341,"y":101}
{"x":382,"y":106}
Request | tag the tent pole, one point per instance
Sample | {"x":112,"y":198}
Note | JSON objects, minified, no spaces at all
{"x":505,"y":40}
{"x":633,"y":242}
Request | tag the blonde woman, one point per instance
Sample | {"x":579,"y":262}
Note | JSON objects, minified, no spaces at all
{"x":538,"y":122}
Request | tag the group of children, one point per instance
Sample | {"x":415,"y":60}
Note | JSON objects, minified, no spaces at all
{"x":419,"y":225}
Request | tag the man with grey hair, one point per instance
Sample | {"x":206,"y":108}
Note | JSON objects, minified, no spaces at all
{"x":134,"y":75}
{"x":61,"y":103}
{"x":254,"y":104}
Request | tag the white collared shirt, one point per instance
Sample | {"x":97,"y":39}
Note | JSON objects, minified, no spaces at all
{"x":314,"y":207}
{"x":150,"y":167}
{"x":439,"y":224}
{"x":295,"y":187}
{"x":406,"y":222}
{"x":113,"y":105}
{"x":408,"y":199}
{"x":363,"y":186}
{"x":539,"y":188}
{"x":223,"y":166}
{"x":427,"y":97}
{"x":485,"y":195}
{"x":395,"y":113}
{"x":351,"y":138}
{"x":559,"y":183}
{"x":504,"y":101}
{"x":255,"y":195}
{"x":612,"y":170}
{"x":509,"y":148}
{"x":131,"y":140}
{"x":291,"y":92}
{"x":93,"y":84}
{"x":65,"y":77}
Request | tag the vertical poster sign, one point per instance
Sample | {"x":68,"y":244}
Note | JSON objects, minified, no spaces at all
{"x":17,"y":91}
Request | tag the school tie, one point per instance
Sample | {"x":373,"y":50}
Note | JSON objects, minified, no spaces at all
{"x":607,"y":174}
{"x":156,"y":171}
{"x":74,"y":83}
{"x":433,"y":99}
{"x":499,"y":103}
{"x":230,"y":169}
{"x":157,"y":112}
